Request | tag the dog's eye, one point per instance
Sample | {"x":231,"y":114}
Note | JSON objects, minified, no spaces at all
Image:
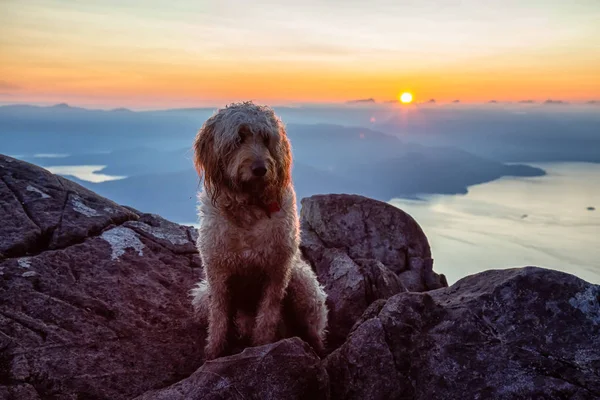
{"x":243,"y":134}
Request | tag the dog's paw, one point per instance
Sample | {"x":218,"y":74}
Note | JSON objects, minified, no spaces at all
{"x":211,"y":354}
{"x":213,"y":351}
{"x":262,"y":337}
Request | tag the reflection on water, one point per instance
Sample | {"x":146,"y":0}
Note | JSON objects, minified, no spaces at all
{"x":547,"y":221}
{"x":50,"y":155}
{"x":84,"y":172}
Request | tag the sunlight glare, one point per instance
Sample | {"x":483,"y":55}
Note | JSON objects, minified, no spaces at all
{"x":406,"y":98}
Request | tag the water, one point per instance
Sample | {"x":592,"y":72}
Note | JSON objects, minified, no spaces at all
{"x":513,"y":222}
{"x":51,"y":155}
{"x":89,"y":173}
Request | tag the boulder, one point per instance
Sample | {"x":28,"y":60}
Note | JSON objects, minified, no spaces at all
{"x":93,"y":296}
{"x":288,"y":369}
{"x":366,"y":228}
{"x":525,"y":333}
{"x":363,"y":250}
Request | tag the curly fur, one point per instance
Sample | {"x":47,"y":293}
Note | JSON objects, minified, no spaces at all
{"x":257,"y":284}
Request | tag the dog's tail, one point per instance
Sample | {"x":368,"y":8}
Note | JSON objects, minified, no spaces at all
{"x":199,"y":296}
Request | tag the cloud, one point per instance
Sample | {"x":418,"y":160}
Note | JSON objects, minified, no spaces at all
{"x":4,"y":85}
{"x":456,"y":101}
{"x":550,"y":101}
{"x":362,"y":101}
{"x":431,"y":101}
{"x":527,"y":101}
{"x":492,"y":102}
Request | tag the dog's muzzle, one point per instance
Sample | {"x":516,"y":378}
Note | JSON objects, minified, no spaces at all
{"x":259,"y":168}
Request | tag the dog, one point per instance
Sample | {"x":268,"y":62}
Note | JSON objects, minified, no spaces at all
{"x":256,"y":283}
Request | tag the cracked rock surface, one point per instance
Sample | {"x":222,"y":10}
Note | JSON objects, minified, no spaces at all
{"x":363,"y":250}
{"x":93,"y":296}
{"x":525,"y":333}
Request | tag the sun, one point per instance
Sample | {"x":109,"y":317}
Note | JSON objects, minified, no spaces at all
{"x":406,"y":98}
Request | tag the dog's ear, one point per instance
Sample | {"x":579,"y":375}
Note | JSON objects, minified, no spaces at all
{"x":206,"y":163}
{"x":284,"y":161}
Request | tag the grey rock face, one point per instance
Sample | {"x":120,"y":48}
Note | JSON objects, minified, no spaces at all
{"x":363,"y":250}
{"x":523,"y":333}
{"x":93,"y":297}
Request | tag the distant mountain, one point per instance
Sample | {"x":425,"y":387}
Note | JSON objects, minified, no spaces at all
{"x":132,"y":161}
{"x":379,"y":151}
{"x":327,"y":159}
{"x":172,"y":194}
{"x":65,"y":129}
{"x":431,"y":170}
{"x":512,"y":133}
{"x":517,"y":133}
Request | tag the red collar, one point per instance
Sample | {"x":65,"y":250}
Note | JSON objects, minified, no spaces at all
{"x":273,"y":207}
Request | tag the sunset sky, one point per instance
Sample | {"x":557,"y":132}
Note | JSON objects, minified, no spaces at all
{"x":155,"y":54}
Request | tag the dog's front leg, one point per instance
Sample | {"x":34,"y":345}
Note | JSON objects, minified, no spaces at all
{"x":218,"y":320}
{"x":269,"y":310}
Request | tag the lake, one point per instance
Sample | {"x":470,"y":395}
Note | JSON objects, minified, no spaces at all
{"x":551,"y":221}
{"x":89,"y":173}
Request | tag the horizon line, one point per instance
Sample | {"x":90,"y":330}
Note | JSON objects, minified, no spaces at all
{"x":364,"y":103}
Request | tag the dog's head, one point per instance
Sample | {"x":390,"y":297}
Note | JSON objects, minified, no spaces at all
{"x":244,"y":148}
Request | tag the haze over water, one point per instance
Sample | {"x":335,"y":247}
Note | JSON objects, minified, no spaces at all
{"x":542,"y":221}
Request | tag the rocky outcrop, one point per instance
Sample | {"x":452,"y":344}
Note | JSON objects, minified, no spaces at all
{"x":363,"y":250}
{"x":94,"y":305}
{"x":288,"y":369}
{"x":523,"y":333}
{"x":42,"y":211}
{"x":93,"y":296}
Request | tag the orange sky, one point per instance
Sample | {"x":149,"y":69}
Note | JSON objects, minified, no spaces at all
{"x":193,"y":53}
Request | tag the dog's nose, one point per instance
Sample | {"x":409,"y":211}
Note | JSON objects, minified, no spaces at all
{"x":259,"y":168}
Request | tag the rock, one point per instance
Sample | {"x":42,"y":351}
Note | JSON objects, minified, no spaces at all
{"x":19,"y":392}
{"x":44,"y":211}
{"x":93,"y":296}
{"x":179,"y":239}
{"x":351,"y":287}
{"x":17,"y":232}
{"x":364,"y":368}
{"x":288,"y":369}
{"x":363,"y":250}
{"x":365,"y":228}
{"x":507,"y":334}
